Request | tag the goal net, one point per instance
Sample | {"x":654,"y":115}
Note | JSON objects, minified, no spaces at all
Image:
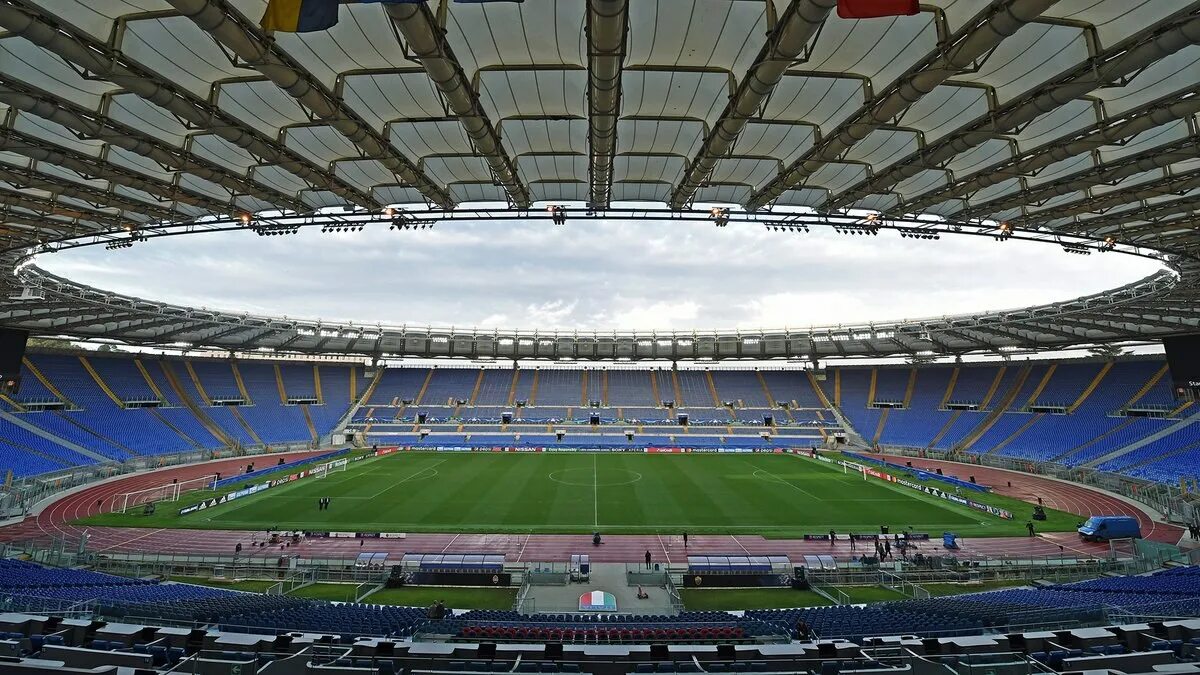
{"x":167,"y":492}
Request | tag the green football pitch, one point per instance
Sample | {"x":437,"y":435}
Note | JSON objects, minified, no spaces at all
{"x":771,"y":495}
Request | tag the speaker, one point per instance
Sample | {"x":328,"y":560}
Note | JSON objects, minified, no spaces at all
{"x":768,"y":420}
{"x":12,"y":351}
{"x":659,"y":652}
{"x":683,"y":420}
{"x":726,"y":652}
{"x":486,"y":650}
{"x":506,"y":418}
{"x":554,"y":651}
{"x":421,"y":418}
{"x":595,"y":419}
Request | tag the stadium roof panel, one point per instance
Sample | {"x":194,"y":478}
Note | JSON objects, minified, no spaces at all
{"x":1077,"y":115}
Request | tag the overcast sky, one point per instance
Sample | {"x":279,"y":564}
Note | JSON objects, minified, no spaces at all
{"x":616,"y":275}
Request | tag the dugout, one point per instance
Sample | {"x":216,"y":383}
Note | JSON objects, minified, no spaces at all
{"x":708,"y":571}
{"x":455,"y":569}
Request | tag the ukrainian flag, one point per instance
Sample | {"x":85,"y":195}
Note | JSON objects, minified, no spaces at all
{"x":300,"y":16}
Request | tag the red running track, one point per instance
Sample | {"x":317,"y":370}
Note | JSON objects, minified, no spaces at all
{"x":55,"y":521}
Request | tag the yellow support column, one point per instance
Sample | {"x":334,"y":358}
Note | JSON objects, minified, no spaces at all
{"x":1091,"y":387}
{"x":317,"y":383}
{"x":87,"y":365}
{"x":279,"y":384}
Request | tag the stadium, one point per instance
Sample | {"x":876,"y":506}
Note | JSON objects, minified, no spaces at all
{"x":218,"y":480}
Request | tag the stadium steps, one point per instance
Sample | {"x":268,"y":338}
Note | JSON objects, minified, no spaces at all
{"x":1033,"y":419}
{"x":1146,"y":387}
{"x":837,"y":388}
{"x":15,"y":406}
{"x":475,"y":390}
{"x":279,"y":385}
{"x":237,"y":415}
{"x":946,"y":427}
{"x":534,"y":387}
{"x":995,"y":386}
{"x":583,"y":389}
{"x":654,"y":389}
{"x":879,"y":426}
{"x":241,"y":384}
{"x":187,"y":365}
{"x":871,"y":387}
{"x":38,"y":431}
{"x":96,"y":434}
{"x":1041,"y":386}
{"x":762,"y":381}
{"x":677,"y":387}
{"x":1146,"y":440}
{"x":188,"y":402}
{"x":949,"y":390}
{"x":141,"y":367}
{"x":317,"y":385}
{"x":46,"y":382}
{"x":168,"y":424}
{"x":989,"y":421}
{"x":1091,"y":387}
{"x":371,"y":387}
{"x":87,"y":366}
{"x":1179,"y":411}
{"x":424,"y":387}
{"x":512,"y":388}
{"x":812,"y":380}
{"x":1084,"y":446}
{"x":712,"y":389}
{"x":912,"y":385}
{"x":308,"y":421}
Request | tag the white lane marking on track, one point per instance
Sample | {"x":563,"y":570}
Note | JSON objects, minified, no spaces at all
{"x":130,"y":541}
{"x":450,"y":543}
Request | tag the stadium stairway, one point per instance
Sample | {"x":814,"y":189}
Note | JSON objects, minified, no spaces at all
{"x":1005,"y":403}
{"x":205,"y":421}
{"x":1162,"y":433}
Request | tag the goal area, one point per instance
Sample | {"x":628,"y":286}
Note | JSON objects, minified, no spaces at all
{"x":167,"y":492}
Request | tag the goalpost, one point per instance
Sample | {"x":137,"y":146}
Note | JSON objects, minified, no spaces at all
{"x":168,"y":492}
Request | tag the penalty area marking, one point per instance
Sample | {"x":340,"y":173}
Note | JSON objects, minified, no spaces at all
{"x":594,"y":483}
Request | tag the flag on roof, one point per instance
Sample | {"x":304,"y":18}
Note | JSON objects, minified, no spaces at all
{"x":870,"y":9}
{"x":300,"y":16}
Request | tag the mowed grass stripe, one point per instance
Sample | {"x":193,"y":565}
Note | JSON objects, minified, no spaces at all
{"x":773,"y":495}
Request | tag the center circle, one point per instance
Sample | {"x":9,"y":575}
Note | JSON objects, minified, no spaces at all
{"x":583,"y":477}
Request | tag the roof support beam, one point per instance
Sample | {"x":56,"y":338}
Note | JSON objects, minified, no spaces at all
{"x":50,"y":206}
{"x":970,"y":43}
{"x":1122,"y":60}
{"x":1181,"y":184}
{"x":1110,"y":174}
{"x":607,"y":32}
{"x":796,"y":26}
{"x":64,"y":188}
{"x":81,"y":49}
{"x":427,"y":41}
{"x":88,"y":124}
{"x":88,"y":166}
{"x":252,"y":45}
{"x":1093,"y":138}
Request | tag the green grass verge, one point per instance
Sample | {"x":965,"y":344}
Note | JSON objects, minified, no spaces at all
{"x":249,"y":585}
{"x":457,"y":598}
{"x":768,"y":494}
{"x":338,"y":592}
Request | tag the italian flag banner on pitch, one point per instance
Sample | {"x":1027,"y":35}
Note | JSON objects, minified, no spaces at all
{"x":597,"y":601}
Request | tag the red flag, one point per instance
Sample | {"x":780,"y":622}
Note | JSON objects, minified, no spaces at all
{"x":870,"y":9}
